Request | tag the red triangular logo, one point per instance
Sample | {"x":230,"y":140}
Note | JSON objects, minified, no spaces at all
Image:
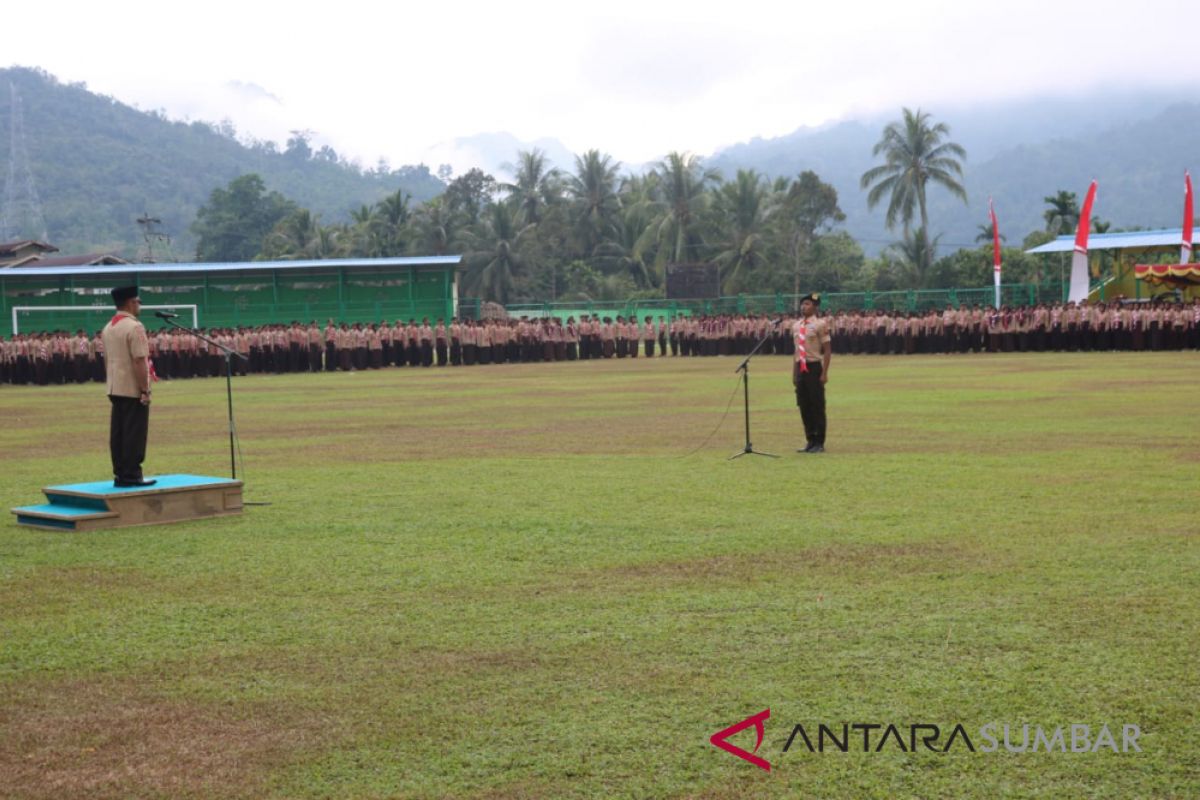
{"x":720,"y":739}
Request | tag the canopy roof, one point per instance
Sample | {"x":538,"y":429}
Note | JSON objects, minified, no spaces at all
{"x":1169,"y":274}
{"x":1128,"y":240}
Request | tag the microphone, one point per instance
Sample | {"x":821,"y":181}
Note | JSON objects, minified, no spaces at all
{"x":165,"y":315}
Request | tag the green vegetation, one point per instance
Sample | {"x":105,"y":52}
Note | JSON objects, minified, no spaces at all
{"x":774,"y":219}
{"x":521,"y":581}
{"x":100,"y":164}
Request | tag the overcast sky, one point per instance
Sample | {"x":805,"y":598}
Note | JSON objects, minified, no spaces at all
{"x":634,"y":79}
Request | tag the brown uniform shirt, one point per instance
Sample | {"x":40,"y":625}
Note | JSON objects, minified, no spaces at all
{"x":816,"y":338}
{"x":124,"y":340}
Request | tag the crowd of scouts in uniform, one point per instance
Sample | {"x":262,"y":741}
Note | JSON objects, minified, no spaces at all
{"x":57,"y":358}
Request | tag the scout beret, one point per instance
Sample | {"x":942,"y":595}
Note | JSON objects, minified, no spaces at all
{"x":123,"y":293}
{"x":812,"y":297}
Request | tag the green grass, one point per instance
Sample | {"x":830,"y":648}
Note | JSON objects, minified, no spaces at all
{"x":521,"y":581}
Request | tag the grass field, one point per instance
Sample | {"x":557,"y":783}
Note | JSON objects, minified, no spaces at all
{"x":527,"y":581}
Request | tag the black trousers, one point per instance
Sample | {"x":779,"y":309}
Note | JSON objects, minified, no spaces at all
{"x":810,"y":396}
{"x":127,"y":431}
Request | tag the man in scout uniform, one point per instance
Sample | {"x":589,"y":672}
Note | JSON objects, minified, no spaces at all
{"x":127,"y":353}
{"x":810,"y":371}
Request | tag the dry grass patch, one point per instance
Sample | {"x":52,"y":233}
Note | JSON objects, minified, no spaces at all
{"x":114,"y":738}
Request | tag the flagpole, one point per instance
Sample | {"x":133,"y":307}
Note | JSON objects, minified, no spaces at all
{"x":995,"y":250}
{"x":1185,"y":252}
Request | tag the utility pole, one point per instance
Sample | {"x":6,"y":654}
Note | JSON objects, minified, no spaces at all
{"x":150,"y":235}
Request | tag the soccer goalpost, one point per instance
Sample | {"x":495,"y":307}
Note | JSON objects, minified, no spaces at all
{"x":95,"y":316}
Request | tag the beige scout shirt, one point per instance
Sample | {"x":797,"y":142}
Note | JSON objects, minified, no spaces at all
{"x":816,"y":338}
{"x":124,"y":340}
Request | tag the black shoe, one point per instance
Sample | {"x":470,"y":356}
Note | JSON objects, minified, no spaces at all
{"x":807,"y":449}
{"x":138,"y":482}
{"x":817,"y":448}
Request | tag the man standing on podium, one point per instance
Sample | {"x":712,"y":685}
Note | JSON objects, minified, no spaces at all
{"x":810,"y":371}
{"x":127,"y":367}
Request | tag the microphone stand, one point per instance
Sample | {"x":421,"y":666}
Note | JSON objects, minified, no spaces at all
{"x":229,"y":356}
{"x":744,"y":368}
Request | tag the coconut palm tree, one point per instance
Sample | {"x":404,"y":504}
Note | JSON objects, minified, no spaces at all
{"x":494,"y":266}
{"x":682,"y":184}
{"x":1062,"y":217}
{"x":987,"y":234}
{"x":535,"y":186}
{"x":389,"y":224}
{"x":915,"y":153}
{"x":439,"y":228}
{"x":595,"y":205}
{"x":741,"y":208}
{"x":916,"y":254}
{"x":295,"y":236}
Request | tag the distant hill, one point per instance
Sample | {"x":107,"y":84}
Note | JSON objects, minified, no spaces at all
{"x":99,"y":164}
{"x":1136,"y":145}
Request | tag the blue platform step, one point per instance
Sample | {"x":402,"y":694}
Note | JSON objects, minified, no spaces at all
{"x":99,"y":504}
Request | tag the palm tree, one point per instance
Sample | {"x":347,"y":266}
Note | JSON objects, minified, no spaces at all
{"x":438,"y":227}
{"x":1062,"y":217}
{"x":493,"y":268}
{"x":987,"y":234}
{"x":535,"y":186}
{"x":682,"y":183}
{"x":295,"y":236}
{"x":916,"y":256}
{"x":631,"y":253}
{"x":741,"y":208}
{"x":914,"y":154}
{"x":595,"y":205}
{"x":389,"y":224}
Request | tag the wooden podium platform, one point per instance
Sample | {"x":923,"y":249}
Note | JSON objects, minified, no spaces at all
{"x":94,"y":506}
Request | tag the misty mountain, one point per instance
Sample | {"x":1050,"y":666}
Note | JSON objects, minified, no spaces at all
{"x":98,"y":164}
{"x":1136,"y":145}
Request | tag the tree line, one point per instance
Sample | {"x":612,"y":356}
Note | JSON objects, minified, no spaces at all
{"x":596,"y":232}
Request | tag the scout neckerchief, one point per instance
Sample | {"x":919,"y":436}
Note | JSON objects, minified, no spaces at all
{"x":801,"y":350}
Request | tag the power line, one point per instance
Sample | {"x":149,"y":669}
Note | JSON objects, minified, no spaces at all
{"x":22,"y":211}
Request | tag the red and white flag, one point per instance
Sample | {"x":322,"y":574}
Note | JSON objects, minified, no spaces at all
{"x":1185,"y":253}
{"x":1080,"y":279}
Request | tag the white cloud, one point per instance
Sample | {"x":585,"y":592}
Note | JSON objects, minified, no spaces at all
{"x":635,"y":79}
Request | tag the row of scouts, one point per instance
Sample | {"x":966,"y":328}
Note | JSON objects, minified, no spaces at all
{"x":64,"y":358}
{"x":1040,"y":328}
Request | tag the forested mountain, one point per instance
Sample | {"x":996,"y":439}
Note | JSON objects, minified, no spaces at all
{"x":99,"y":164}
{"x":774,"y":215}
{"x":1136,"y":145}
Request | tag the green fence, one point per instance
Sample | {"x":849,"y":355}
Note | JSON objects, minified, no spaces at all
{"x":391,"y":293}
{"x":232,"y":299}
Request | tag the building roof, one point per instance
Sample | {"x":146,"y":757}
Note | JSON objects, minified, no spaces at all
{"x":1128,"y":240}
{"x":147,"y":270}
{"x":17,"y":244}
{"x":87,"y":260}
